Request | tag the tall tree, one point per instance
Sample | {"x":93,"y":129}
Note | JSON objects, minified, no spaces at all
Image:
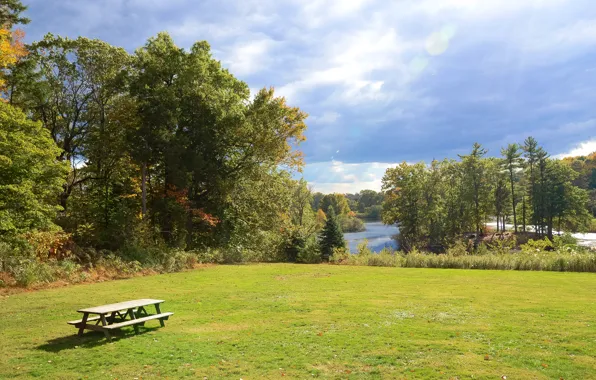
{"x":69,"y":86}
{"x":201,"y":138}
{"x":474,"y":172}
{"x":530,"y":149}
{"x":512,"y":162}
{"x":30,"y":177}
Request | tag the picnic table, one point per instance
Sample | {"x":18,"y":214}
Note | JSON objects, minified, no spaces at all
{"x":118,"y":315}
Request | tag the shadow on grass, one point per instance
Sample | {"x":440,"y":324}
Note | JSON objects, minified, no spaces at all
{"x":89,"y":340}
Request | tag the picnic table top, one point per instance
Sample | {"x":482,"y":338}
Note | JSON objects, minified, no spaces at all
{"x":105,"y":309}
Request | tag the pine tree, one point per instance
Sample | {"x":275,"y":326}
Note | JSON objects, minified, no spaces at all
{"x":331,"y":236}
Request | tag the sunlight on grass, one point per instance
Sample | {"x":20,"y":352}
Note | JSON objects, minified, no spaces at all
{"x":269,"y":321}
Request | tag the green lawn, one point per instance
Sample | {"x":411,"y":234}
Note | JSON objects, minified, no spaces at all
{"x":299,"y":321}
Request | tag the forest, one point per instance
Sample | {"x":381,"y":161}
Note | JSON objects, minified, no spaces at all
{"x":435,"y":205}
{"x":142,"y":156}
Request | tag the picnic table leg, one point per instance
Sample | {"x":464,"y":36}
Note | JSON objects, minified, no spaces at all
{"x":83,"y":324}
{"x":161,"y":322}
{"x":133,"y":316}
{"x":141,"y":312}
{"x":105,"y":323}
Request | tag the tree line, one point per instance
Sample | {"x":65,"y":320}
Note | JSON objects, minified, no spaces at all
{"x":102,"y":150}
{"x":435,"y":205}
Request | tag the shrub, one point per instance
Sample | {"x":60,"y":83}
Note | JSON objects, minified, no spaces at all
{"x":537,"y":245}
{"x":50,"y":244}
{"x":30,"y":271}
{"x":565,"y":240}
{"x":340,"y":255}
{"x":310,"y":254}
{"x":385,"y":258}
{"x":458,"y":249}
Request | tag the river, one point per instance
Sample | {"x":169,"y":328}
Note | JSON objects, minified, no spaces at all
{"x":380,"y":236}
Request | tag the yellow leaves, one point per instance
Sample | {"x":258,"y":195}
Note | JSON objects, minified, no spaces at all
{"x":12,"y":49}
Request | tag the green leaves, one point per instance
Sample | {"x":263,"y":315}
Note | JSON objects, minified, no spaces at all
{"x":30,"y":176}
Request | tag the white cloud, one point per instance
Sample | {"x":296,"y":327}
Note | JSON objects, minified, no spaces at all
{"x":340,"y":177}
{"x":582,"y":149}
{"x":249,"y":57}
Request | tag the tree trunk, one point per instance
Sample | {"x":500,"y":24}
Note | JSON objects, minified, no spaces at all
{"x":513,"y":201}
{"x":144,"y":189}
{"x":550,"y":228}
{"x":524,"y":213}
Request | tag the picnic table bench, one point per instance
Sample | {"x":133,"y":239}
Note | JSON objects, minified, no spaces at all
{"x":117,"y":315}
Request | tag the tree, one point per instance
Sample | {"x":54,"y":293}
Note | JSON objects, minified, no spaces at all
{"x":512,"y":162}
{"x":501,"y":197}
{"x":30,"y":176}
{"x":405,"y":203}
{"x":478,"y":190}
{"x":71,"y":86}
{"x":337,"y":202}
{"x":331,"y":236}
{"x":12,"y":48}
{"x":200,"y":136}
{"x":369,"y":198}
{"x":316,"y":200}
{"x":10,"y":13}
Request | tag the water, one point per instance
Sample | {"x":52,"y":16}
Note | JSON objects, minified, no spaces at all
{"x":379,"y":236}
{"x":587,"y":240}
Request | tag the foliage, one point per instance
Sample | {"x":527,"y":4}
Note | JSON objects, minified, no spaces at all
{"x":351,"y":224}
{"x":436,"y":205}
{"x":337,"y":202}
{"x":12,"y":50}
{"x":310,"y":253}
{"x":168,"y":152}
{"x":11,"y":13}
{"x":30,"y":177}
{"x":331,"y":237}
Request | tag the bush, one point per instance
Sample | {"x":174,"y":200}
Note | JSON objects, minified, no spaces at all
{"x":50,"y":244}
{"x":458,"y":249}
{"x":537,"y":245}
{"x":565,"y":240}
{"x":362,"y":249}
{"x":340,"y":256}
{"x":31,"y":271}
{"x":310,"y":253}
{"x":386,"y":258}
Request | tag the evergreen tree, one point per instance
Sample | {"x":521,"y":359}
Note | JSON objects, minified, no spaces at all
{"x":511,"y":162}
{"x":331,"y":236}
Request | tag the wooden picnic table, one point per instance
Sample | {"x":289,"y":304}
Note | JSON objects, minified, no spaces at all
{"x":118,"y":315}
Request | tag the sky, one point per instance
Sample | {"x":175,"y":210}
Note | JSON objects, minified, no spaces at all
{"x":384,"y":81}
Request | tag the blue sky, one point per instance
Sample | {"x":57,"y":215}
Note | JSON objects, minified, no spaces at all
{"x":383,"y":81}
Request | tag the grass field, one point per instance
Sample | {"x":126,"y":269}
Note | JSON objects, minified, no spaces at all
{"x":299,"y":321}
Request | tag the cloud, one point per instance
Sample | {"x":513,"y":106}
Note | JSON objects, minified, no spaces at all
{"x":385,"y":81}
{"x":249,"y":57}
{"x":582,"y":149}
{"x":340,"y":177}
